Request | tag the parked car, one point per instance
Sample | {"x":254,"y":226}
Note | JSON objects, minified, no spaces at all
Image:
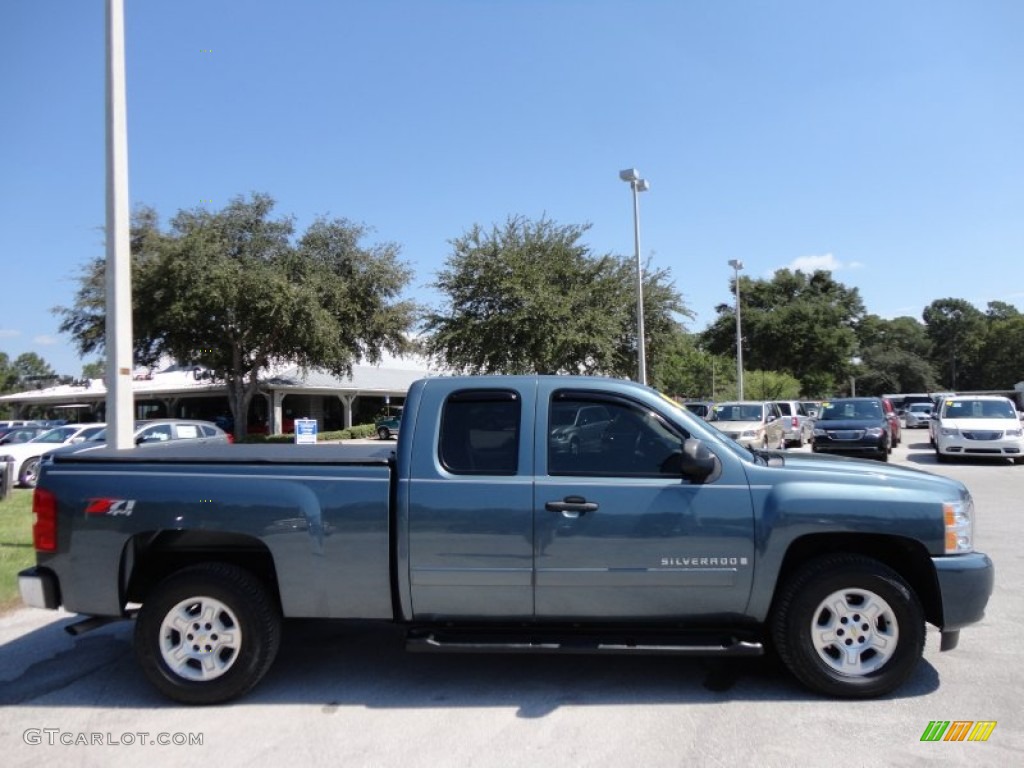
{"x":149,"y":431}
{"x":576,"y":428}
{"x":978,"y":425}
{"x":26,"y":456}
{"x":918,"y":415}
{"x":812,"y":407}
{"x":388,"y":426}
{"x":895,"y":428}
{"x":853,"y":425}
{"x":753,"y":424}
{"x":702,"y":408}
{"x":9,"y":435}
{"x":797,"y":424}
{"x":17,"y":423}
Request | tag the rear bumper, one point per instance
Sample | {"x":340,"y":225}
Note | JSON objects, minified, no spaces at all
{"x":965,"y":584}
{"x":39,"y":588}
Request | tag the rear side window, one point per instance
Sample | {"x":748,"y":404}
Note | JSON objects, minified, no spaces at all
{"x":480,"y":432}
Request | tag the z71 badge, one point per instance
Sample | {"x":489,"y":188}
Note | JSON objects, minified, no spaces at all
{"x":112,"y":507}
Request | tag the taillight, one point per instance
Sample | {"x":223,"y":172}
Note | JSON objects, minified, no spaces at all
{"x":796,"y":422}
{"x":44,"y":523}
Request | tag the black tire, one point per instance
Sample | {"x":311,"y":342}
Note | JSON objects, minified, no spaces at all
{"x":383,"y":433}
{"x":1019,"y":460}
{"x":231,"y":650}
{"x":880,"y":653}
{"x":28,"y":476}
{"x":941,"y":458}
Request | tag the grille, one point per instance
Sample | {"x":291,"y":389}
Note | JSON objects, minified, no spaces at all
{"x":988,"y":435}
{"x":846,"y":434}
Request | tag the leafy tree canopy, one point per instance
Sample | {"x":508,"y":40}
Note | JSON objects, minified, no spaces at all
{"x":231,"y":291}
{"x":797,"y":323}
{"x":956,"y":329}
{"x":530,"y":297}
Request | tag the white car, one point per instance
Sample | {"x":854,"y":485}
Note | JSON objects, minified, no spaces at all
{"x":985,"y":426}
{"x":26,"y":456}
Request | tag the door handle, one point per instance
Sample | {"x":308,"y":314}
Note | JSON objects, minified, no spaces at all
{"x":571,"y":506}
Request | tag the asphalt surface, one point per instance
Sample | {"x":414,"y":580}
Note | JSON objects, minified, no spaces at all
{"x":346,"y":696}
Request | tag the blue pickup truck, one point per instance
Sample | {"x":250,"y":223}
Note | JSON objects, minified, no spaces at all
{"x":480,"y":531}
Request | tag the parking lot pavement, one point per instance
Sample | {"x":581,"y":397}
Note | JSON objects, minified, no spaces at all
{"x":351,"y":696}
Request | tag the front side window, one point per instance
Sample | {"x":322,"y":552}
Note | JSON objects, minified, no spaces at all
{"x":630,"y":440}
{"x":480,"y":432}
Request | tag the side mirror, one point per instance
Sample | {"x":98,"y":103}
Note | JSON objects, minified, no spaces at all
{"x":699,"y":465}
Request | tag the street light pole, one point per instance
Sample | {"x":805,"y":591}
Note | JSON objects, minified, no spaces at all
{"x":638,"y":184}
{"x":737,"y":265}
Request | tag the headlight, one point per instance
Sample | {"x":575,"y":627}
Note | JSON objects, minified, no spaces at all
{"x":749,"y":433}
{"x":949,"y":431}
{"x":959,"y":518}
{"x":1015,"y":432}
{"x":875,"y":432}
{"x":819,"y":432}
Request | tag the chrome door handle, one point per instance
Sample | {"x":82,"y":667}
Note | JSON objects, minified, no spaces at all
{"x":571,"y":506}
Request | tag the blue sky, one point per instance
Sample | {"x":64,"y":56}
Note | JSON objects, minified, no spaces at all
{"x":882,"y":140}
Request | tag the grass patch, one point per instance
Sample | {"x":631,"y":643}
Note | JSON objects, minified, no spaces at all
{"x":16,"y":551}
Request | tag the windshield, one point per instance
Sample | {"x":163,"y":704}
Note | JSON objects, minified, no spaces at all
{"x":737,"y":412}
{"x":979,"y":409}
{"x":58,"y":435}
{"x":920,"y":408}
{"x":852,"y":409}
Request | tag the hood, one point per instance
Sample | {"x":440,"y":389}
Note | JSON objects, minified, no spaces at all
{"x":818,"y":466}
{"x":736,"y":426}
{"x":964,"y":425}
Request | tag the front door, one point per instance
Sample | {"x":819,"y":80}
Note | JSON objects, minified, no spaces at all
{"x":619,"y":534}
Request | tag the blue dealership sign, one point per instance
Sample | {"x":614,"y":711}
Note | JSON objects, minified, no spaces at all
{"x":305,"y":431}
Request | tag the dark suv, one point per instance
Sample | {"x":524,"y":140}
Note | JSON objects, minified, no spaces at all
{"x":854,"y":425}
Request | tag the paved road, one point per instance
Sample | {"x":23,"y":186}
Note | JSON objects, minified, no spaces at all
{"x":352,"y":697}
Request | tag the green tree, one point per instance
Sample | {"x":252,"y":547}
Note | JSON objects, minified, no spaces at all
{"x":1003,"y":348}
{"x":33,"y":371}
{"x":957,"y":331}
{"x":796,"y":323}
{"x":686,"y":371}
{"x":530,"y":297}
{"x":895,"y":356}
{"x":770,"y":385}
{"x":230,"y":291}
{"x":97,"y":369}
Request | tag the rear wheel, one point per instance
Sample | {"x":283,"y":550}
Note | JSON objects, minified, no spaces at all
{"x":207,"y":634}
{"x":29,"y":474}
{"x":848,"y":626}
{"x":383,"y":433}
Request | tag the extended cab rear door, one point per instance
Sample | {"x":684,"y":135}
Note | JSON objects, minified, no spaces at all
{"x":620,"y":534}
{"x":469,"y":501}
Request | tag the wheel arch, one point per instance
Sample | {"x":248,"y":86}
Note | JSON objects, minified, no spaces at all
{"x":907,"y":557}
{"x":149,"y":558}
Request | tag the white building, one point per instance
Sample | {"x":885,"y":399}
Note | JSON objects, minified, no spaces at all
{"x":284,"y":395}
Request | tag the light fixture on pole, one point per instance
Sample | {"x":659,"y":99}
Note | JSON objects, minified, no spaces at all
{"x":737,"y":265}
{"x":638,"y":184}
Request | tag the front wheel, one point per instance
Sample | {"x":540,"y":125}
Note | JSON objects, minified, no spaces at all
{"x":207,"y":634}
{"x":848,"y":626}
{"x":383,"y":433}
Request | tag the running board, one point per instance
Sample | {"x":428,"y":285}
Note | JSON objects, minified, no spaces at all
{"x":431,"y":641}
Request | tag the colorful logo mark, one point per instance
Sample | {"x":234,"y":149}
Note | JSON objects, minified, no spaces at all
{"x":958,"y":730}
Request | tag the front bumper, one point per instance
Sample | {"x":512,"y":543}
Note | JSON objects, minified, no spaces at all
{"x":965,"y":585}
{"x":39,"y":588}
